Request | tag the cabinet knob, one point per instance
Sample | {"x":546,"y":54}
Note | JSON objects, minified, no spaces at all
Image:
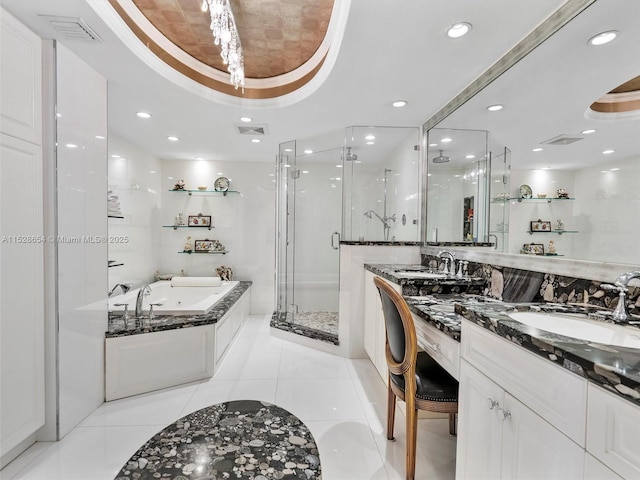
{"x":504,"y":414}
{"x":434,"y":346}
{"x":491,"y":403}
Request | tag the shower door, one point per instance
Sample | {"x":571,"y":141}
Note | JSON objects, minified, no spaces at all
{"x":309,"y":219}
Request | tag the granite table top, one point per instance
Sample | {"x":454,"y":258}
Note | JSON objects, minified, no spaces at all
{"x":172,"y":322}
{"x":235,"y":440}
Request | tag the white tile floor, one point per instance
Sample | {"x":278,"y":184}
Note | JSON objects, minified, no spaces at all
{"x":342,"y":401}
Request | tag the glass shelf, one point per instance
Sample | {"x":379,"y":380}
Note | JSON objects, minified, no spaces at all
{"x":115,"y":216}
{"x":112,"y":263}
{"x":558,"y":232}
{"x":208,"y":192}
{"x":206,"y":253}
{"x":548,"y":200}
{"x":175,"y":227}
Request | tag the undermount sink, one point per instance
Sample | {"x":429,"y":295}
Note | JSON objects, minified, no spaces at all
{"x":416,"y":274}
{"x":581,"y":327}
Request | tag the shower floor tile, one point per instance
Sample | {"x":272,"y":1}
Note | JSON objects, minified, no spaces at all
{"x":323,"y":321}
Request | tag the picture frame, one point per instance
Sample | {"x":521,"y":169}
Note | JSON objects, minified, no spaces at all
{"x":205,"y":245}
{"x":540,"y":226}
{"x":533,"y":248}
{"x":199,"y":220}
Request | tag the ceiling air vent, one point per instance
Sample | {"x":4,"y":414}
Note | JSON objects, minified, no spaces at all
{"x":72,"y":28}
{"x":563,"y":140}
{"x":256,"y":129}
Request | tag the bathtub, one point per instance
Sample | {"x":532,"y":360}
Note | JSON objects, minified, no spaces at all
{"x":174,"y":300}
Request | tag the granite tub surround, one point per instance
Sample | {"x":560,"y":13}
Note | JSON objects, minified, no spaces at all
{"x":234,"y":440}
{"x":369,"y":243}
{"x":282,"y":321}
{"x":613,"y":367}
{"x":413,"y":284}
{"x":172,"y":322}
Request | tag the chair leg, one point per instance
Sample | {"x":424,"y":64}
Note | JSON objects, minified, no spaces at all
{"x":391,"y":411}
{"x":412,"y":430}
{"x":453,"y":425}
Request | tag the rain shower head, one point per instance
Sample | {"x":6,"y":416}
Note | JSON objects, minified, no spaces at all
{"x":350,"y":156}
{"x":367,"y":214}
{"x":440,"y":158}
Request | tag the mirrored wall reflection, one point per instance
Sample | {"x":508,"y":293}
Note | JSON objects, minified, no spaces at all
{"x":457,"y":186}
{"x":381,"y":170}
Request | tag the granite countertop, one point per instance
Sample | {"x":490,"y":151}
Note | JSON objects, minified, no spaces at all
{"x":172,"y":322}
{"x":615,"y":368}
{"x":414,"y":275}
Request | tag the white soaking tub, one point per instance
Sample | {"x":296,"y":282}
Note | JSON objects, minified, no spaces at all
{"x":179,"y":300}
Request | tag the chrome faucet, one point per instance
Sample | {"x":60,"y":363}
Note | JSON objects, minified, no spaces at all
{"x":124,"y":286}
{"x":143,"y":292}
{"x":446,"y":255}
{"x":621,"y":312}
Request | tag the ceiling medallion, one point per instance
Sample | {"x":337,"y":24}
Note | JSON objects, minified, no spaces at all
{"x":225,"y":34}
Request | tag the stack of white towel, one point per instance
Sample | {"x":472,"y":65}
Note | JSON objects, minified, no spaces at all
{"x":113,"y":205}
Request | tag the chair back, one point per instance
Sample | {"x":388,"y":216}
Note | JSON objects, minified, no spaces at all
{"x":401,"y":346}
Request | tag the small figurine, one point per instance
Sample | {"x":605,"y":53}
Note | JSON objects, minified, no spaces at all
{"x":225,"y":273}
{"x":179,"y":185}
{"x":559,"y":225}
{"x":188,"y":245}
{"x":179,"y":220}
{"x":552,"y":248}
{"x":562,"y":193}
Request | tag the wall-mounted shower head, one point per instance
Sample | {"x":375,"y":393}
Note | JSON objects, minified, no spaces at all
{"x":367,"y":214}
{"x":440,"y":158}
{"x":350,"y":156}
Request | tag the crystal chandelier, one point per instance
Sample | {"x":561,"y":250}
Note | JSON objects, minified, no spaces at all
{"x":226,"y":35}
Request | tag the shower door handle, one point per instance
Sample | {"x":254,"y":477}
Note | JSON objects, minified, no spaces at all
{"x":333,"y":244}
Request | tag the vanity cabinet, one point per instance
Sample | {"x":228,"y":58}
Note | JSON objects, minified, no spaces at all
{"x":374,"y":333}
{"x":519,"y":416}
{"x":613,"y":432}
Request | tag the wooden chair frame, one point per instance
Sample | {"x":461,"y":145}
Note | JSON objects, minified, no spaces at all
{"x":407,"y":368}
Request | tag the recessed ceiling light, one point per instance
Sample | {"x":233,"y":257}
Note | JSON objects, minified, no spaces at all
{"x":470,"y":156}
{"x":603,"y":38}
{"x":288,"y":149}
{"x":308,"y":151}
{"x":357,"y":161}
{"x":458,"y":30}
{"x":370,"y":137}
{"x":371,"y":142}
{"x":608,"y":152}
{"x":255,"y":140}
{"x":286,"y":165}
{"x":100,"y":137}
{"x":115,"y":156}
{"x":172,"y":138}
{"x":495,"y":108}
{"x":71,"y":145}
{"x":445,"y":140}
{"x":143,"y":114}
{"x":305,"y":171}
{"x":246,"y":119}
{"x":588,"y":131}
{"x":615,"y":169}
{"x":399,"y":103}
{"x":545,"y":168}
{"x":433,"y":144}
{"x":537,"y":149}
{"x":199,"y":158}
{"x":338,"y":166}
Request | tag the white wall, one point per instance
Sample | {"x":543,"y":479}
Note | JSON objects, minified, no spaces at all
{"x":82,"y":237}
{"x":244,"y":223}
{"x":135,"y":177}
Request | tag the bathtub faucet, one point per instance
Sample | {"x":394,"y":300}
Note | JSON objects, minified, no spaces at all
{"x":124,"y":286}
{"x":143,"y":292}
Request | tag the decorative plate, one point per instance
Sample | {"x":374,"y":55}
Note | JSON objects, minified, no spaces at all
{"x":525,"y":191}
{"x":221,"y":184}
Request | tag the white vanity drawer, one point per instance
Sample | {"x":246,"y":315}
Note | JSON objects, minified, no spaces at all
{"x":557,"y":395}
{"x":613,"y":432}
{"x":444,"y":349}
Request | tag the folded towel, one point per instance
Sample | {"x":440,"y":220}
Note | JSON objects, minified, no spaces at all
{"x":196,"y":282}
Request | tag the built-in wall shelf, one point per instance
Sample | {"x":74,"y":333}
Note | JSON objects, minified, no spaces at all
{"x":223,"y":252}
{"x":548,"y":200}
{"x":558,"y":232}
{"x":207,"y":192}
{"x":175,"y":227}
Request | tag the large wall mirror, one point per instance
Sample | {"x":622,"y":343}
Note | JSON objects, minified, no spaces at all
{"x":561,"y":145}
